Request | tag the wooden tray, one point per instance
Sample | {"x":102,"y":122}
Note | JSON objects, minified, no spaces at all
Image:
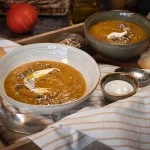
{"x":48,"y":37}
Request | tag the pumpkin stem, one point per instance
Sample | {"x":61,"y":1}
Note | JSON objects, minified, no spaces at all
{"x":12,"y":4}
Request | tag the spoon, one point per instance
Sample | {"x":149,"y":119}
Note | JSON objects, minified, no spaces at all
{"x":22,"y":123}
{"x":142,"y":76}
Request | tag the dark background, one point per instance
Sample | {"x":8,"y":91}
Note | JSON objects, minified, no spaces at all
{"x":144,"y":7}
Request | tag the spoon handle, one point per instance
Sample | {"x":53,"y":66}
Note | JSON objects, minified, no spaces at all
{"x":2,"y":113}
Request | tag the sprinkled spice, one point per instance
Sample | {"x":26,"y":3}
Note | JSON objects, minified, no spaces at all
{"x":72,"y":41}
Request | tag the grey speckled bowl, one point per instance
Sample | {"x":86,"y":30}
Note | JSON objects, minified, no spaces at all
{"x":117,"y":51}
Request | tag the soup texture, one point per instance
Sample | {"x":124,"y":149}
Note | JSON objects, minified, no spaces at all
{"x":117,"y":31}
{"x":45,"y":83}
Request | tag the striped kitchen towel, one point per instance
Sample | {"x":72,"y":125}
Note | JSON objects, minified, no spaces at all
{"x":123,"y":125}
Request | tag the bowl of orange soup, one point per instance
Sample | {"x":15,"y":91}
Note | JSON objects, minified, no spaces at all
{"x":117,"y":34}
{"x":47,"y":78}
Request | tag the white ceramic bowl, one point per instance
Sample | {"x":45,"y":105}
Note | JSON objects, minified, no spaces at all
{"x":74,"y":57}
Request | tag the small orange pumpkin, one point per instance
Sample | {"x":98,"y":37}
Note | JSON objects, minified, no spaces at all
{"x":21,"y":18}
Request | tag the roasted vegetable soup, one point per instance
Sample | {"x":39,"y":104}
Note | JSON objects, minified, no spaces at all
{"x":121,"y":32}
{"x":45,"y":83}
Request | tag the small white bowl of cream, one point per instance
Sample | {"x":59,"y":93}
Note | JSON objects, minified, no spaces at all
{"x":117,"y":86}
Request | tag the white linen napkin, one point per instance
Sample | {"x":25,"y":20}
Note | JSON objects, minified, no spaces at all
{"x":148,"y":16}
{"x":8,"y":45}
